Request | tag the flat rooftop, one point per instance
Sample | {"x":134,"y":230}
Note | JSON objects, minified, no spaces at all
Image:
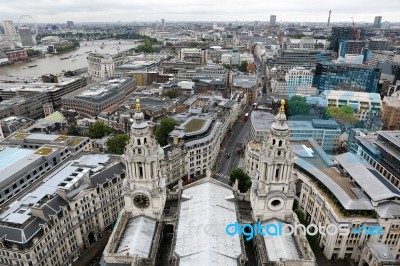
{"x":262,"y":121}
{"x":194,"y":124}
{"x":207,"y":203}
{"x":65,"y":177}
{"x":359,"y":170}
{"x":392,"y":136}
{"x":310,"y":125}
{"x":352,"y":96}
{"x":14,"y":161}
{"x":102,"y":89}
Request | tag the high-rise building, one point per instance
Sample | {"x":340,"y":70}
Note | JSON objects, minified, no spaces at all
{"x":377,"y":22}
{"x":70,"y":23}
{"x":350,"y":47}
{"x":25,"y":34}
{"x":329,"y":18}
{"x":272,"y":20}
{"x":346,"y":77}
{"x":9,"y":28}
{"x":343,"y":33}
{"x":163,"y":23}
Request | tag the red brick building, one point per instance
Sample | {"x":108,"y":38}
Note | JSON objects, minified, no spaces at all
{"x":17,"y":55}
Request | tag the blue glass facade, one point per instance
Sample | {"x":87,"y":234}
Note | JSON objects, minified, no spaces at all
{"x":346,"y":77}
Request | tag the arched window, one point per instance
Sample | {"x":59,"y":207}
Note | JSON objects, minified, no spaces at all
{"x":273,"y":141}
{"x":280,"y":143}
{"x":138,"y":141}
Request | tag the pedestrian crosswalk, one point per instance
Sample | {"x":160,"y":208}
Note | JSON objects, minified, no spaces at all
{"x":221,"y":176}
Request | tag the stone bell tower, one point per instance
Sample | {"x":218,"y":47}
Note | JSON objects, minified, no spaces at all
{"x":144,"y":187}
{"x":271,"y":193}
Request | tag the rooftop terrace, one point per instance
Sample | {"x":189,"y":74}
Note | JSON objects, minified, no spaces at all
{"x":194,"y":124}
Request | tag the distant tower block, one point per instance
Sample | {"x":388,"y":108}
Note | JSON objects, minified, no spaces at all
{"x":163,"y":23}
{"x":272,"y":20}
{"x":329,"y":18}
{"x":48,"y":109}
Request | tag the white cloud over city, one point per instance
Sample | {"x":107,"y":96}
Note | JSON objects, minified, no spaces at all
{"x":198,"y":10}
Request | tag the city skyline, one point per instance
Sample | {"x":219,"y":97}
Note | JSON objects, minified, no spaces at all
{"x":99,"y":10}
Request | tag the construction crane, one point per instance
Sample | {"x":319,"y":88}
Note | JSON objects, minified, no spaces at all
{"x":356,"y":32}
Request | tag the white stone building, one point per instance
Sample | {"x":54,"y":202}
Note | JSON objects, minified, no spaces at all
{"x":365,"y":104}
{"x":64,"y":215}
{"x":299,"y":80}
{"x":102,"y":66}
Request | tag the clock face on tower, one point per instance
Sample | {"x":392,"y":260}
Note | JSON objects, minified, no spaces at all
{"x":141,"y":201}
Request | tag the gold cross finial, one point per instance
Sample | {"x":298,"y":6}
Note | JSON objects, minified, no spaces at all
{"x":283,"y":106}
{"x":138,"y":105}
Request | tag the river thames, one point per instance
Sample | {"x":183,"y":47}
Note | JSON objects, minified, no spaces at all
{"x":52,"y":64}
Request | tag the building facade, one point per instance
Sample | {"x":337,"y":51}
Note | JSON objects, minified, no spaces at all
{"x":377,"y":22}
{"x":343,"y":33}
{"x":364,"y":104}
{"x":382,"y":152}
{"x":93,"y":99}
{"x":297,"y":80}
{"x":26,"y":37}
{"x":193,"y":55}
{"x":17,"y":55}
{"x":391,"y":111}
{"x":346,"y":77}
{"x":325,"y":132}
{"x":9,"y":28}
{"x":63,"y":217}
{"x":102,"y":66}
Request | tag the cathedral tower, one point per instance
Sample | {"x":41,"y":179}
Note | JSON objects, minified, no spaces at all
{"x":144,"y":187}
{"x":272,"y":194}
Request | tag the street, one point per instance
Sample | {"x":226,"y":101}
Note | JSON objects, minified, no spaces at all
{"x":238,"y":136}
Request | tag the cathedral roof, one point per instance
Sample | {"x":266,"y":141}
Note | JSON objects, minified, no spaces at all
{"x":207,"y":204}
{"x":281,"y":246}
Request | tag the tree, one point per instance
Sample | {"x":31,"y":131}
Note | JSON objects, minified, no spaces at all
{"x":117,"y":144}
{"x":227,"y":66}
{"x":73,"y":130}
{"x":166,"y":126}
{"x":169,"y":94}
{"x":297,"y":105}
{"x":194,"y":44}
{"x":360,"y":124}
{"x":32,"y":52}
{"x":343,"y":114}
{"x":243,"y":179}
{"x":243,"y":66}
{"x":98,"y":130}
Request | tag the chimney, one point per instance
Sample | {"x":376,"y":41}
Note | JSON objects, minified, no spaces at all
{"x":38,"y":212}
{"x":176,"y":139}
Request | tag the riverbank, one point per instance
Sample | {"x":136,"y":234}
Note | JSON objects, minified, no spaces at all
{"x":51,"y":63}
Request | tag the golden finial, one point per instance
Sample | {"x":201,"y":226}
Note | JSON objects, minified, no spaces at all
{"x":283,"y":106}
{"x":137,"y":105}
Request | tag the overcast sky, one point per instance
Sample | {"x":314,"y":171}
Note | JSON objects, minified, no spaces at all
{"x":55,"y":11}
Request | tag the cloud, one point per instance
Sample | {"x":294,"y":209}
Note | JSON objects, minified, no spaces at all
{"x":193,"y":10}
